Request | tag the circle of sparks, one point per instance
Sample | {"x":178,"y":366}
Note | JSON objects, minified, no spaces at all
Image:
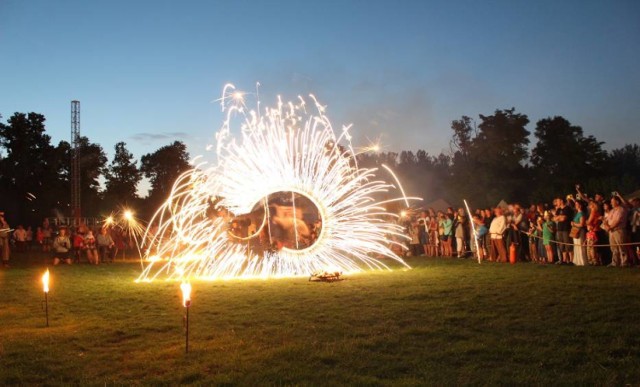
{"x":282,"y":149}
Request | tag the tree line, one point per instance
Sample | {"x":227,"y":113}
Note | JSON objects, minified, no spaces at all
{"x":490,"y":159}
{"x":35,"y":174}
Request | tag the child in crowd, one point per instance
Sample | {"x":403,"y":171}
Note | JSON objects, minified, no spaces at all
{"x":61,"y":247}
{"x":548,"y":228}
{"x":91,"y":248}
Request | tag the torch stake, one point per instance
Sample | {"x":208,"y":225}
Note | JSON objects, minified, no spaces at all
{"x":186,"y":302}
{"x":186,"y":331}
{"x":46,"y":307}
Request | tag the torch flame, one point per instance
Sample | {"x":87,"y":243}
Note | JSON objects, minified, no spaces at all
{"x":45,"y":281}
{"x":186,"y":293}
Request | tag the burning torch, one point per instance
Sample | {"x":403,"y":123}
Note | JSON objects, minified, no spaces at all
{"x":45,"y":288}
{"x":186,"y":302}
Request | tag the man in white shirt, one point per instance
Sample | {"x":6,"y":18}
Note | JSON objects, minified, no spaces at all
{"x":616,"y":224}
{"x":496,"y":229}
{"x":20,"y":236}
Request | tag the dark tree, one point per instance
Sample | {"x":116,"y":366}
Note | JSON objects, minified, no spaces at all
{"x":462,"y":166}
{"x":491,"y":165}
{"x":623,"y":170}
{"x":28,"y":171}
{"x":502,"y":140}
{"x":162,"y":168}
{"x":462,"y":136}
{"x":563,"y":156}
{"x":122,"y":177}
{"x":408,"y":160}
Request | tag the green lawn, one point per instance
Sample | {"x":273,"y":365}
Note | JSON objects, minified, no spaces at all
{"x":443,"y":322}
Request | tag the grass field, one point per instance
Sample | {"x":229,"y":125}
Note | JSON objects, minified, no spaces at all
{"x":443,"y":322}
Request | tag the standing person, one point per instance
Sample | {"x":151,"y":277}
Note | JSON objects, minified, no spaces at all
{"x":78,"y":245}
{"x":20,"y":237}
{"x":615,"y":224}
{"x":29,"y":237}
{"x":534,"y":236}
{"x":496,"y":231}
{"x":461,"y":227}
{"x":593,"y":226}
{"x":629,"y":206}
{"x":603,"y":235}
{"x":39,"y":237}
{"x":481,"y":232}
{"x":105,"y":245}
{"x":578,"y":223}
{"x":61,"y":247}
{"x":433,"y":234}
{"x":520,"y":227}
{"x":487,"y":218}
{"x":47,"y":234}
{"x":445,"y":227}
{"x":414,"y":244}
{"x":423,"y":232}
{"x":5,"y":249}
{"x":563,"y":218}
{"x":548,"y":230}
{"x":634,"y":217}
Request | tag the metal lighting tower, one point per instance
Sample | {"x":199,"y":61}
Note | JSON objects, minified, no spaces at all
{"x":75,"y":162}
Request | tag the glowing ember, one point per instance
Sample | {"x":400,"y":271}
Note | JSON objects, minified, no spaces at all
{"x":285,"y":198}
{"x":45,"y":281}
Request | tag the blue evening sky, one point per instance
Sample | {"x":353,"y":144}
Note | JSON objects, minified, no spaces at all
{"x":147,"y":72}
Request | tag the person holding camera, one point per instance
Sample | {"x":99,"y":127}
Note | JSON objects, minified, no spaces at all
{"x":61,"y":247}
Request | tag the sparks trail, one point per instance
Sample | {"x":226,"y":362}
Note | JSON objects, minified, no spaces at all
{"x":295,"y":183}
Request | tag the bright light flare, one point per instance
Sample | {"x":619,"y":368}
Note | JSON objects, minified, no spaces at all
{"x":129,"y":225}
{"x":185,"y":287}
{"x":128,"y":215}
{"x":45,"y":281}
{"x":238,"y":96}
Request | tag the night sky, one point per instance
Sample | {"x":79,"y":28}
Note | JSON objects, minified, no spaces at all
{"x":147,"y":72}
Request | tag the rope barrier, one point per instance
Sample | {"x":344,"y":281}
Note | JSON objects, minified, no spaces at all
{"x":580,"y":244}
{"x":538,"y":237}
{"x":556,"y":242}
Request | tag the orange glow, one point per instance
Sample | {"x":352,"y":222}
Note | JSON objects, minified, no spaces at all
{"x":45,"y":281}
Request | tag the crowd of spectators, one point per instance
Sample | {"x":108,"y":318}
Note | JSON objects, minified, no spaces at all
{"x":573,"y":230}
{"x":63,"y":244}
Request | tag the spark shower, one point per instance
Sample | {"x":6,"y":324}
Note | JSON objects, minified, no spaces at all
{"x":285,"y":197}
